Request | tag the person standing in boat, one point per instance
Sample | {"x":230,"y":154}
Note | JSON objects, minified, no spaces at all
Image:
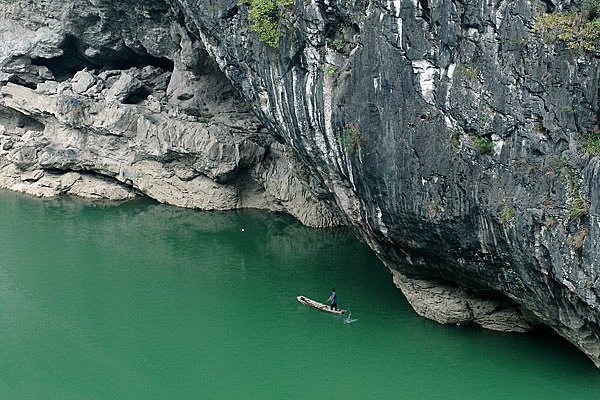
{"x":333,"y":299}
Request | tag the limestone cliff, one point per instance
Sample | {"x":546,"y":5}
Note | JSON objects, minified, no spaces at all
{"x":448,"y":133}
{"x":108,"y":100}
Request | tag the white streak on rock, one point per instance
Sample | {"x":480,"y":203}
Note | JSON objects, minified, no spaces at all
{"x":382,"y":226}
{"x":450,"y":76}
{"x":498,"y":144}
{"x":426,"y":72}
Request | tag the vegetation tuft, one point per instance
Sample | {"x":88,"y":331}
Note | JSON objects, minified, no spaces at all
{"x":591,"y":141}
{"x":351,"y":138}
{"x":432,"y":209}
{"x":339,"y":43}
{"x":330,"y":70}
{"x":576,"y":241}
{"x":579,"y":30}
{"x":266,"y":18}
{"x":579,"y":206}
{"x":483,"y":145}
{"x":468,"y":73}
{"x":507,"y":215}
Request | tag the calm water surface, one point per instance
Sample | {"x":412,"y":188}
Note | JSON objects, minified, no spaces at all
{"x":144,"y":301}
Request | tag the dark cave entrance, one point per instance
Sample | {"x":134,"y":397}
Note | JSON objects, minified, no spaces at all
{"x":73,"y":59}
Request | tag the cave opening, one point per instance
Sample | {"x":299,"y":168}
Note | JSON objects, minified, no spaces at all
{"x":74,"y":59}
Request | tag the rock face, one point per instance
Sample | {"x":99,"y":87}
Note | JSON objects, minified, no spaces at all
{"x":448,"y":133}
{"x":118,"y":113}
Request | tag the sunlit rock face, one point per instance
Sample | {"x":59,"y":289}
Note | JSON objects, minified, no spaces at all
{"x":117,"y":99}
{"x":447,"y":133}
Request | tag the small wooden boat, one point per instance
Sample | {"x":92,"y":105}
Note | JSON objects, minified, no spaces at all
{"x":319,"y":306}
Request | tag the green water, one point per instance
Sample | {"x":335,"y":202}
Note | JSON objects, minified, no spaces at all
{"x":144,"y":301}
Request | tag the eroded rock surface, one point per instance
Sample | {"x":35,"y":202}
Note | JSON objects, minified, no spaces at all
{"x":448,"y":304}
{"x":148,"y":113}
{"x":449,"y":132}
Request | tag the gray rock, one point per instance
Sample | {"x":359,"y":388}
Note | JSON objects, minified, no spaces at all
{"x":32,"y":175}
{"x":438,"y":142}
{"x":151,"y":149}
{"x":104,"y":75}
{"x":125,"y":89}
{"x":47,"y":87}
{"x":82,"y":81}
{"x":23,"y":157}
{"x":451,"y":305}
{"x":7,"y":145}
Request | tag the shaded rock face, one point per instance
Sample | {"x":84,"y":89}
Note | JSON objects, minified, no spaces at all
{"x":448,"y":133}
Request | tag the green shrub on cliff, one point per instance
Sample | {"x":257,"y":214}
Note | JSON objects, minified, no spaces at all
{"x":466,"y":72}
{"x":572,"y":179}
{"x":507,"y":215}
{"x":577,"y":29}
{"x":579,"y":208}
{"x":266,"y":17}
{"x":482,"y":144}
{"x":591,"y":141}
{"x":351,"y":138}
